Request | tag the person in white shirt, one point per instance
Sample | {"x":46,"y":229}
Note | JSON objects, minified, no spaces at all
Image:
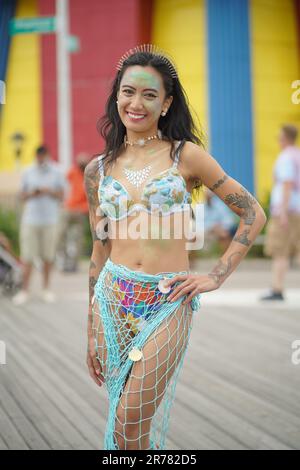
{"x":42,"y":191}
{"x":283,"y":227}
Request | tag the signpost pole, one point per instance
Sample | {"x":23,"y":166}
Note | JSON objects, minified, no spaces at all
{"x":63,"y":85}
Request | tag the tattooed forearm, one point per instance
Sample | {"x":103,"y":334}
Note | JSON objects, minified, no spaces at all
{"x":245,"y":202}
{"x":94,"y":271}
{"x":92,"y":283}
{"x":219,"y":182}
{"x":223,"y":269}
{"x":243,"y":237}
{"x":91,"y":181}
{"x":102,"y":235}
{"x":99,"y":254}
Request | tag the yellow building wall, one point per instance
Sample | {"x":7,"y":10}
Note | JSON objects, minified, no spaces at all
{"x":275,"y":65}
{"x":22,"y":111}
{"x":179,"y":29}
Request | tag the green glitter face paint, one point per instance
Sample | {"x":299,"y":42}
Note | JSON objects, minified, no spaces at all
{"x":143,"y":79}
{"x":142,"y":91}
{"x":148,"y":85}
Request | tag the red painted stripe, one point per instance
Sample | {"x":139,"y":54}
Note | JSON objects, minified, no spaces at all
{"x":48,"y":72}
{"x":145,"y":10}
{"x":106,"y":31}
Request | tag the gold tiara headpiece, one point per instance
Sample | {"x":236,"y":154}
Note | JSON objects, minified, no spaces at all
{"x":153,"y":49}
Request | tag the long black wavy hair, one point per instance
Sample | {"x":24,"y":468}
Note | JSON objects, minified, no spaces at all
{"x":178,"y":123}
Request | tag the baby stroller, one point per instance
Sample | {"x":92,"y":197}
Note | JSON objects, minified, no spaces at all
{"x":11,"y":272}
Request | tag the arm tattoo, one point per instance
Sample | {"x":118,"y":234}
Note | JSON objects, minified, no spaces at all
{"x":243,"y":237}
{"x":92,"y":283}
{"x":219,"y":182}
{"x":222,"y":269}
{"x":92,"y":279}
{"x":103,"y":235}
{"x":91,"y":181}
{"x":243,"y":201}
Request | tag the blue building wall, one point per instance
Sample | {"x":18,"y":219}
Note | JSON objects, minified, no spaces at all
{"x":229,"y":84}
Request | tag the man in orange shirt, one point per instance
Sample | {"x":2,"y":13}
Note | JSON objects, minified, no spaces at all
{"x":73,"y":217}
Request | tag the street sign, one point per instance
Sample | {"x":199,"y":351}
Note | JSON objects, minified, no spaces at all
{"x":42,"y":24}
{"x":73,"y":43}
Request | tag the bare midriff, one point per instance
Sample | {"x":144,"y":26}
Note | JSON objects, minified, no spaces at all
{"x":151,"y":244}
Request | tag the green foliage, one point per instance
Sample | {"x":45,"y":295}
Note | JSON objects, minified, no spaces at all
{"x":9,"y":226}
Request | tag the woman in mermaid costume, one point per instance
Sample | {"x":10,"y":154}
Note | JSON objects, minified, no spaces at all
{"x":142,"y":294}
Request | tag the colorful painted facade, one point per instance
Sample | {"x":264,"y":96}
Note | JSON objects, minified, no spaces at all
{"x":237,"y":60}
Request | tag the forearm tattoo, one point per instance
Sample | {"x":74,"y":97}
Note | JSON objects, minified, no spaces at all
{"x":219,"y":182}
{"x":223,"y":269}
{"x":92,"y":279}
{"x":243,"y":238}
{"x":92,"y":283}
{"x":245,"y":202}
{"x":91,"y":181}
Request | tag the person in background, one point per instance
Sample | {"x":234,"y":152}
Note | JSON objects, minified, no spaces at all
{"x":219,"y":221}
{"x":42,"y":190}
{"x":283,"y":228}
{"x":73,"y":217}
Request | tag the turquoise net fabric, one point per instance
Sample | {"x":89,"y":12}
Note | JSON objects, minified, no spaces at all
{"x":141,"y":340}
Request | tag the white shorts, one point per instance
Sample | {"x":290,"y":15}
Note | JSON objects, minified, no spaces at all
{"x":38,"y":241}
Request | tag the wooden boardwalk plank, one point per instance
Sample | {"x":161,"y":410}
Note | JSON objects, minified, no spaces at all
{"x":9,"y":433}
{"x":20,"y":420}
{"x":58,"y":393}
{"x":238,"y":388}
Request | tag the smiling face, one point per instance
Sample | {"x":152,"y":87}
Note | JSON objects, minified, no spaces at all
{"x":141,"y":99}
